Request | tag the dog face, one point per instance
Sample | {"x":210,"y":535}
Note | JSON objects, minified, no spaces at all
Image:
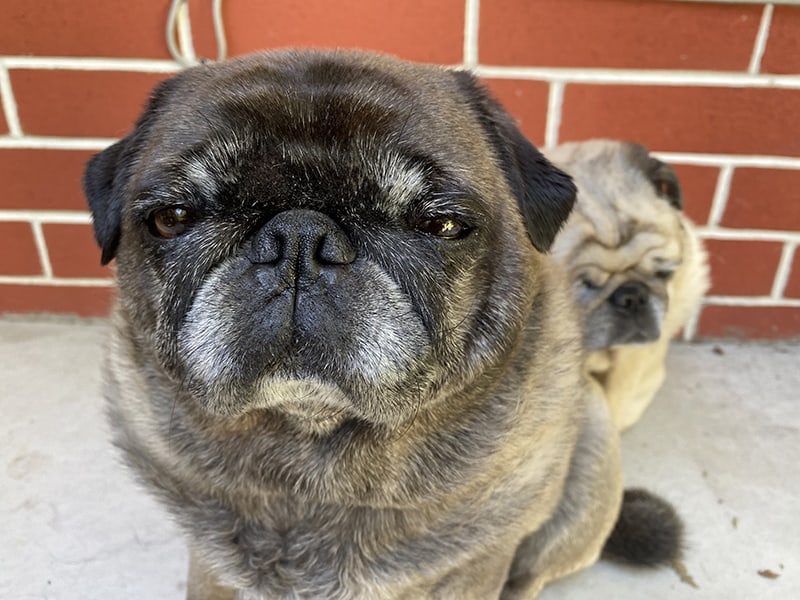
{"x":332,"y":235}
{"x":624,"y":242}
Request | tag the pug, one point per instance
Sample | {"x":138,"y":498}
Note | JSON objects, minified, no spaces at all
{"x":637,"y":267}
{"x":340,"y":356}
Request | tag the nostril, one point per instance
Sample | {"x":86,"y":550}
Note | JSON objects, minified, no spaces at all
{"x":334,"y":249}
{"x":268,"y":247}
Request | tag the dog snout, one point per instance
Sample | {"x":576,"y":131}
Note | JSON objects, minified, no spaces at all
{"x":631,"y":297}
{"x":302,"y":243}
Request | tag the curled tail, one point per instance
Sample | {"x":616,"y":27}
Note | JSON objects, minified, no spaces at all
{"x":648,"y":531}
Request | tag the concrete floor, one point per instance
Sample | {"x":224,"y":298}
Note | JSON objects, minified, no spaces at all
{"x":721,"y":442}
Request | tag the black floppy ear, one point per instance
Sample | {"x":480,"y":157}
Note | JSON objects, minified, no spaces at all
{"x":101,"y":186}
{"x":545,"y":194}
{"x":660,"y":174}
{"x":107,"y":173}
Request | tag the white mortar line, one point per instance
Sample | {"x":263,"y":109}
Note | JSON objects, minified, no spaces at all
{"x":721,"y":193}
{"x":56,"y":281}
{"x":47,"y":216}
{"x":761,"y":235}
{"x":90,"y":64}
{"x":41,"y":249}
{"x":35,"y":142}
{"x":784,"y":270}
{"x":9,"y":104}
{"x":761,"y":40}
{"x":762,"y":301}
{"x":555,"y":98}
{"x":472,"y":10}
{"x":568,"y":75}
{"x":642,"y":77}
{"x":734,"y":160}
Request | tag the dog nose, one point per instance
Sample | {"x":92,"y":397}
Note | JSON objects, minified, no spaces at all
{"x":303,"y":242}
{"x":630,"y":297}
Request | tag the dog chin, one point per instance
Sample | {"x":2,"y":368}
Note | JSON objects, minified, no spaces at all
{"x":313,"y":406}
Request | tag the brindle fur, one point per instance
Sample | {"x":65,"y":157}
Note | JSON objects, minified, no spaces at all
{"x":412,"y":423}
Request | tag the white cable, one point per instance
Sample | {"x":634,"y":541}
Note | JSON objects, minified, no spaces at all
{"x":179,"y":33}
{"x":219,"y":30}
{"x":178,"y":52}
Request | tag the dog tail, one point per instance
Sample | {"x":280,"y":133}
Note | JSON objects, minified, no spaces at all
{"x":648,"y":531}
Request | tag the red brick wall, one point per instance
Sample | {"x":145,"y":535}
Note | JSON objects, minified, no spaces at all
{"x":713,"y":88}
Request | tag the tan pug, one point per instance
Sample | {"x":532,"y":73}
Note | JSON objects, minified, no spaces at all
{"x":340,"y":354}
{"x":638,"y":269}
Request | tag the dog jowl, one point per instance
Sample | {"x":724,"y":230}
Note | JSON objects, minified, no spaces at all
{"x":339,"y":354}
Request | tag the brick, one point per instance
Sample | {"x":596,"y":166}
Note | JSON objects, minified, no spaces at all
{"x":18,"y":255}
{"x":85,"y":28}
{"x":742,"y":267}
{"x":73,"y":251}
{"x":527,"y":103}
{"x":686,"y":119}
{"x":698,"y":185}
{"x":749,"y":322}
{"x":3,"y":122}
{"x":617,"y":33}
{"x":782,"y":54}
{"x":42,"y":179}
{"x":422,"y":30}
{"x":792,"y":289}
{"x":81,"y":301}
{"x":80,"y":103}
{"x":763,"y":199}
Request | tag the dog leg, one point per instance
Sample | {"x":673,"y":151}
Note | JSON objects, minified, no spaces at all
{"x":574,"y":535}
{"x":636,"y":374}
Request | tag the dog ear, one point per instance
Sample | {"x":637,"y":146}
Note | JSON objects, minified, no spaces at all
{"x":545,"y":194}
{"x":107,"y":173}
{"x":660,"y":174}
{"x":666,"y":182}
{"x":101,"y":188}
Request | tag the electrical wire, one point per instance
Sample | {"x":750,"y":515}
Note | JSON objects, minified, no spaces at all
{"x":179,"y":32}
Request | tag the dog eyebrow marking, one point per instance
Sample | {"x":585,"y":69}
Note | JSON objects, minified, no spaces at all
{"x":398,"y":179}
{"x":198,"y":172}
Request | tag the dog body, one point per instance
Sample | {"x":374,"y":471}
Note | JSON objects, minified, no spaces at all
{"x":638,"y":269}
{"x":339,"y":355}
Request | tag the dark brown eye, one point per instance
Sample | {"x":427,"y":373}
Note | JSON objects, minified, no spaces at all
{"x":444,"y":227}
{"x":169,"y":222}
{"x":664,"y":274}
{"x":589,"y":284}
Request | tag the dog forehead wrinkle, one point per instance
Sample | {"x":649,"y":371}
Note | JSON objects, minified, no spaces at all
{"x":621,"y":258}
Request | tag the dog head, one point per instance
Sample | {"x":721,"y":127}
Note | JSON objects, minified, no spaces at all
{"x":624,"y":242}
{"x":324,"y":234}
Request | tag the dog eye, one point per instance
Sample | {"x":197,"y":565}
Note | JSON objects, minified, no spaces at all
{"x":664,"y":274}
{"x":169,"y":222}
{"x":444,"y":227}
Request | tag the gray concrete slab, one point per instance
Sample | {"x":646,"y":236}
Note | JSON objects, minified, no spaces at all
{"x":721,"y":442}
